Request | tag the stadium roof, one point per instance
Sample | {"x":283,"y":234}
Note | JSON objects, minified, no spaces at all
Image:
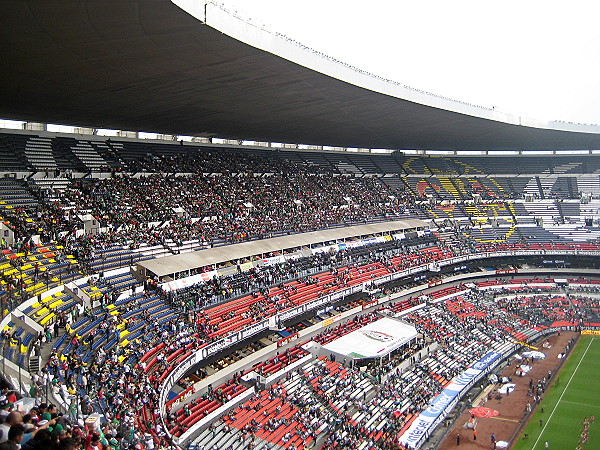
{"x":149,"y":65}
{"x":218,"y":255}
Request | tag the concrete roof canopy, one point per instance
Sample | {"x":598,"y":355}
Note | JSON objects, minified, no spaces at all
{"x":218,"y":255}
{"x":189,"y":67}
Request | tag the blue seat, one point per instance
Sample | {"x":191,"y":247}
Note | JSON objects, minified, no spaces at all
{"x":110,"y":344}
{"x":98,"y":341}
{"x":61,"y":340}
{"x":79,"y":323}
{"x":28,"y":338}
{"x":89,"y":327}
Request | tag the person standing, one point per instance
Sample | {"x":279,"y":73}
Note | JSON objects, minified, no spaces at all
{"x":458,"y":439}
{"x":474,"y":434}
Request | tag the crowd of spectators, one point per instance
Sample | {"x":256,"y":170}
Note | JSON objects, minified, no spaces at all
{"x":259,"y":278}
{"x":223,"y":205}
{"x":108,"y":383}
{"x":397,"y":255}
{"x":350,"y":406}
{"x":103,"y":380}
{"x":141,"y":388}
{"x":252,"y":198}
{"x":209,"y":198}
{"x":128,"y":389}
{"x":44,"y":428}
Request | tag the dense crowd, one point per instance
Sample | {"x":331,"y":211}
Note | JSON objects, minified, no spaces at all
{"x":253,"y":198}
{"x":350,"y":406}
{"x":111,"y":382}
{"x":44,"y":428}
{"x":105,"y":382}
{"x":258,"y":279}
{"x":126,"y":389}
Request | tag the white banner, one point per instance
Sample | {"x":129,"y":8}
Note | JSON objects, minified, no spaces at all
{"x":273,"y":260}
{"x":188,"y":281}
{"x":428,"y":418}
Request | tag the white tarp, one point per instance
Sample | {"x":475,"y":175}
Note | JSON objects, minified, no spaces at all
{"x":534,"y":354}
{"x":374,"y":340}
{"x":524,"y":368}
{"x":507,"y":388}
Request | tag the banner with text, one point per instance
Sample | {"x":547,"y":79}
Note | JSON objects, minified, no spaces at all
{"x":428,"y":418}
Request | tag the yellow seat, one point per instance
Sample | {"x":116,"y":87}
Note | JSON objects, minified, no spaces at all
{"x":42,"y":311}
{"x":46,"y":319}
{"x":56,"y":304}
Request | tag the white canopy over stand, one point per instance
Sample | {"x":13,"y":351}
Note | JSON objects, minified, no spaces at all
{"x":376,"y":340}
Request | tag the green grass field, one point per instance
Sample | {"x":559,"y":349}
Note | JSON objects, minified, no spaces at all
{"x":568,"y":402}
